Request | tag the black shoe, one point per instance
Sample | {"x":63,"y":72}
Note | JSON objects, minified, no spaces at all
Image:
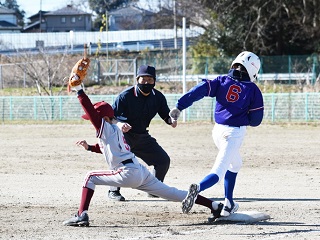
{"x":226,"y":211}
{"x":152,"y":196}
{"x":116,"y":196}
{"x":190,"y":199}
{"x":78,"y":221}
{"x":215,"y":213}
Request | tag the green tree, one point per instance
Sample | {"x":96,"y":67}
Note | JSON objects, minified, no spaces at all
{"x":268,"y":27}
{"x":13,"y":5}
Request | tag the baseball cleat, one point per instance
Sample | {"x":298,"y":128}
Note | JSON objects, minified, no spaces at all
{"x":152,"y":196}
{"x":215,"y":213}
{"x":116,"y":196}
{"x":226,"y":211}
{"x":78,"y":221}
{"x":190,"y":199}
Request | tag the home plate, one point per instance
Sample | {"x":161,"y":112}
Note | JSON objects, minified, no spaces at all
{"x":245,"y":217}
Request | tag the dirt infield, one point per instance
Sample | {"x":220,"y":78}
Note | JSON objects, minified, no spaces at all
{"x":42,"y":172}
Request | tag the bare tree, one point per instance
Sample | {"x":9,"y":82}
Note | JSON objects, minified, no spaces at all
{"x":44,"y":69}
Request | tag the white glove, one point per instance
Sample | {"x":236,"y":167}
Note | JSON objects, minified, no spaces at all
{"x":77,"y":88}
{"x":174,"y":114}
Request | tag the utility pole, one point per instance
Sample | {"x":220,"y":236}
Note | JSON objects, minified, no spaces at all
{"x":184,"y":60}
{"x":107,"y":29}
{"x":40,"y":17}
{"x":175,"y":24}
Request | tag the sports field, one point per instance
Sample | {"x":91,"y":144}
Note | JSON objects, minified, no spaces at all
{"x":42,"y":171}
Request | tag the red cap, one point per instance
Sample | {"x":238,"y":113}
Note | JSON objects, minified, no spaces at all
{"x":103,"y":108}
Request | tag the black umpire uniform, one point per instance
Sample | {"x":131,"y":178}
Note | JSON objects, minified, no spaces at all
{"x":138,"y":110}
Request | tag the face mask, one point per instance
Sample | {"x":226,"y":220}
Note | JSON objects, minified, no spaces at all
{"x":146,"y":88}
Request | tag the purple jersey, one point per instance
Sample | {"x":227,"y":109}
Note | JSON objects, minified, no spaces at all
{"x":238,"y":103}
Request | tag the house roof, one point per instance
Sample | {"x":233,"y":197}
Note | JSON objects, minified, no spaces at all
{"x":37,"y":14}
{"x":4,"y":10}
{"x":130,"y":10}
{"x":8,"y":25}
{"x":68,"y":10}
{"x":32,"y":25}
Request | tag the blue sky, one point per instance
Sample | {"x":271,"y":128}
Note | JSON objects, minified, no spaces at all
{"x":32,"y":7}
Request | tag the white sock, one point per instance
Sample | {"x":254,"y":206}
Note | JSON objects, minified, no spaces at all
{"x":215,"y":205}
{"x":85,"y":211}
{"x":227,"y":203}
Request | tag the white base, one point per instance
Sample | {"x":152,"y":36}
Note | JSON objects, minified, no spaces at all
{"x":246,"y":217}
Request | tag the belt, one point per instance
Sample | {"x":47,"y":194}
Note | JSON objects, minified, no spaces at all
{"x":127,"y":161}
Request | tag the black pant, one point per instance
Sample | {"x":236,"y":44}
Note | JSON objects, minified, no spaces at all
{"x":147,"y":148}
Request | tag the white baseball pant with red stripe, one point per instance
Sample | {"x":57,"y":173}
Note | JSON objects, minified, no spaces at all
{"x":134,"y":176}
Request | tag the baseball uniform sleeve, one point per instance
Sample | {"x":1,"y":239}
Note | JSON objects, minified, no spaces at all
{"x":119,"y":108}
{"x":164,"y":108}
{"x":88,"y":108}
{"x":255,"y":113}
{"x":95,"y":148}
{"x":194,"y":94}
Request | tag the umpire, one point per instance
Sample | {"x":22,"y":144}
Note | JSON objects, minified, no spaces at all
{"x":137,"y":106}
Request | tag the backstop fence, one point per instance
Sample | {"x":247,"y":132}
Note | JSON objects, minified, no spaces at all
{"x":279,"y":108}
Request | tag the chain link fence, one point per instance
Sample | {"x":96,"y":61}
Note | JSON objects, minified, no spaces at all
{"x":302,"y":69}
{"x":279,"y":107}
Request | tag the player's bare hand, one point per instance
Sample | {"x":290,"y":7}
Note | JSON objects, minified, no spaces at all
{"x":83,"y":143}
{"x":174,"y":123}
{"x":126,"y":127}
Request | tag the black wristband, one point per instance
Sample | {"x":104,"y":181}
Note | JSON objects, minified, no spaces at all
{"x":80,"y":92}
{"x":89,"y":148}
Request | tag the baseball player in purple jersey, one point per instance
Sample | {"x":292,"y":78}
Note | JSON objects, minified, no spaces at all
{"x":239,"y":103}
{"x":126,"y":171}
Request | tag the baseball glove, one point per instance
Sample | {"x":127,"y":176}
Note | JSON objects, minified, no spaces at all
{"x":174,"y":114}
{"x":79,"y":72}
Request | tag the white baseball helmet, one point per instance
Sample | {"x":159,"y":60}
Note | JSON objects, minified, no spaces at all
{"x":251,"y":62}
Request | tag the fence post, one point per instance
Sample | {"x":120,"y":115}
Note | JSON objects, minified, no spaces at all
{"x":24,"y":75}
{"x":11,"y":118}
{"x":2,"y":110}
{"x":306,"y":107}
{"x":99,"y":71}
{"x":117,"y":74}
{"x":34,"y":108}
{"x":1,"y":84}
{"x":289,"y":68}
{"x":314,"y":64}
{"x":272,"y":108}
{"x":60,"y":107}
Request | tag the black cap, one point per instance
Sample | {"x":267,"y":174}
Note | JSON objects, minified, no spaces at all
{"x":145,"y":70}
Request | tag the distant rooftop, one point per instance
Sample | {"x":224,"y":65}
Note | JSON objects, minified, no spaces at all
{"x":6,"y":24}
{"x":68,"y":10}
{"x":4,"y":10}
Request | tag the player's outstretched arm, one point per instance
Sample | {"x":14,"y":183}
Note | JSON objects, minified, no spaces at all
{"x":93,"y":148}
